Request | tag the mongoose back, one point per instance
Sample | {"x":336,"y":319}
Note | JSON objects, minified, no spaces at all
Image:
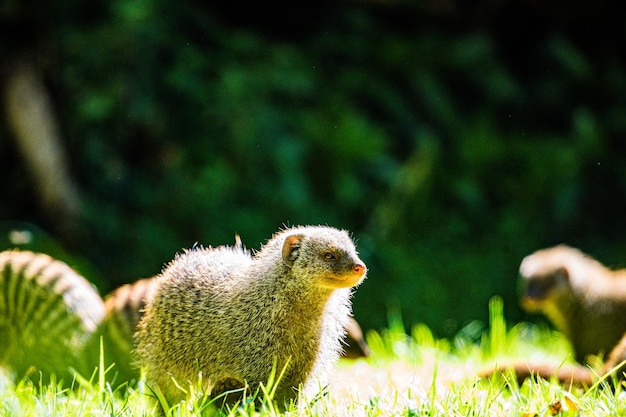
{"x":48,"y":313}
{"x":234,"y":317}
{"x":585,"y":300}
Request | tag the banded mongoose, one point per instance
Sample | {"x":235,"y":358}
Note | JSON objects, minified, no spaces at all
{"x":48,"y":314}
{"x":584,"y":300}
{"x":233,"y":317}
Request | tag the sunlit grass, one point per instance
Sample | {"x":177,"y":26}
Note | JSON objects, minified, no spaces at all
{"x":409,"y":374}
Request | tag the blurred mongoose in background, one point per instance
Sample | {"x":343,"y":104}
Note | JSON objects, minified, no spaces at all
{"x":233,"y":317}
{"x":584,"y":300}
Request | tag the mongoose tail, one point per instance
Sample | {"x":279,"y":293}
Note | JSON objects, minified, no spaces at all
{"x":566,"y":374}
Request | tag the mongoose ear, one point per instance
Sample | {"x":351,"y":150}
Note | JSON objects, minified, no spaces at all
{"x":290,"y":249}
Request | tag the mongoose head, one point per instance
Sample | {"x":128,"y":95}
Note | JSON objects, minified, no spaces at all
{"x":546,"y":277}
{"x":326,"y":255}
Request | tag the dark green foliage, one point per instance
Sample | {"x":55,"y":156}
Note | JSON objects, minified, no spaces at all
{"x":451,"y":146}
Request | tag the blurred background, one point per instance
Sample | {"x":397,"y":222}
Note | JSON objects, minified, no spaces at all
{"x":451,"y":138}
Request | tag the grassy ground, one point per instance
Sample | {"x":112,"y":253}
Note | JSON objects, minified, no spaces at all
{"x":407,"y":375}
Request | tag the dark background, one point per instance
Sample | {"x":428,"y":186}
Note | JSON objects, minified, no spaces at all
{"x":451,"y":138}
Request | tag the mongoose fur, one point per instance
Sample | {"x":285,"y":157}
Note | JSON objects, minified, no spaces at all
{"x":234,"y":317}
{"x":124,"y":308}
{"x":48,"y":314}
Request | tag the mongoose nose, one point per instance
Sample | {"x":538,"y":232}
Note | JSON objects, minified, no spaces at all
{"x":358,"y":269}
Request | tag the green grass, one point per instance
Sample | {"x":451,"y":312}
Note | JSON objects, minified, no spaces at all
{"x":408,"y":375}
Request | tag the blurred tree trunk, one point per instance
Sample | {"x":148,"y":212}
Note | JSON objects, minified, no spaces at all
{"x":31,"y":119}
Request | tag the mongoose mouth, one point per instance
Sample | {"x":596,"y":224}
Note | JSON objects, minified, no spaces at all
{"x":346,"y":280}
{"x":532,"y":304}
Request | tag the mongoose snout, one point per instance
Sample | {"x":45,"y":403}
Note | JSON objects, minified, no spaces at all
{"x":542,"y":277}
{"x":536,"y":291}
{"x":351,"y":278}
{"x":359,"y":269}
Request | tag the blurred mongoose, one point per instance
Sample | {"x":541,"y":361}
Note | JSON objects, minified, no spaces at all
{"x":232,"y":317}
{"x":584,"y":300}
{"x":48,"y":314}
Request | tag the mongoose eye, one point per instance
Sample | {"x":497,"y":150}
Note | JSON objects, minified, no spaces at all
{"x":329,"y":256}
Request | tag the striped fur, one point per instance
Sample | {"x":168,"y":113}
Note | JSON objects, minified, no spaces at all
{"x":48,"y":313}
{"x":124,"y":308}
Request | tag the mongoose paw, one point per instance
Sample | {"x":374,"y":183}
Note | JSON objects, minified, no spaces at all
{"x":229,"y":390}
